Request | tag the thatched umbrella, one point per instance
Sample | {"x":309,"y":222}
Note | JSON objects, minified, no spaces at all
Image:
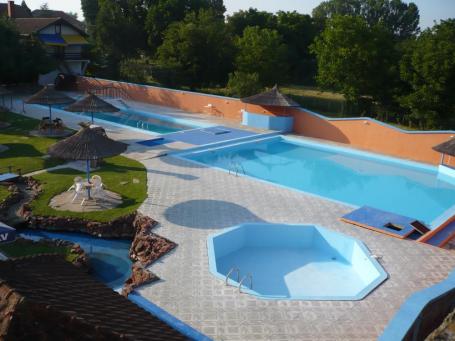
{"x":273,"y":98}
{"x":87,"y":144}
{"x":49,"y":96}
{"x":91,"y":104}
{"x":447,"y":147}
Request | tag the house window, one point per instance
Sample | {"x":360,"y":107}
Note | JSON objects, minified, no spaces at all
{"x":58,"y":28}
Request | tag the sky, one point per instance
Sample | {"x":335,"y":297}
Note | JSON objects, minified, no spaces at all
{"x":430,"y":10}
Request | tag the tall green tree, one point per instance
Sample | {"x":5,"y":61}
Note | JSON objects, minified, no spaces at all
{"x":264,"y":52}
{"x":90,"y":9}
{"x":298,"y":32}
{"x":22,"y":59}
{"x":400,"y":18}
{"x":428,"y":67}
{"x":356,"y":59}
{"x":119,"y":32}
{"x":238,"y":21}
{"x":196,"y":51}
{"x":162,"y":13}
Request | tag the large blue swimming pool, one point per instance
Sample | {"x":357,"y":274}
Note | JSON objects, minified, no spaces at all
{"x":341,"y":174}
{"x":109,"y":259}
{"x":307,"y":262}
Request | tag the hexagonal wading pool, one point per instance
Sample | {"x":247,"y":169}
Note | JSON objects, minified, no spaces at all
{"x":304,"y":262}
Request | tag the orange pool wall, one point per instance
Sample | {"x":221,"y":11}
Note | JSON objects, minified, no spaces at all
{"x":359,"y":133}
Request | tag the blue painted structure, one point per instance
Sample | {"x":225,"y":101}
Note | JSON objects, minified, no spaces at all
{"x":285,"y":261}
{"x":422,"y":312}
{"x":209,"y":135}
{"x":375,"y":219}
{"x":442,"y":236}
{"x":7,"y":233}
{"x":164,"y":316}
{"x":280,"y":123}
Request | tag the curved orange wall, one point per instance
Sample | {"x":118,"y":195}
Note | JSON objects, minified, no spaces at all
{"x":364,"y":134}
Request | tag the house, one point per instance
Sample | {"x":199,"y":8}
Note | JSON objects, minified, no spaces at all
{"x":63,"y":37}
{"x":44,"y":297}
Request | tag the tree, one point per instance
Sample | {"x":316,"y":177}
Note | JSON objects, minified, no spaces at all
{"x":399,"y":18}
{"x":22,"y":60}
{"x":244,"y":84}
{"x":162,"y":13}
{"x":240,"y":20}
{"x":197,"y":51}
{"x":356,"y":59}
{"x":90,"y":9}
{"x":298,"y":31}
{"x":428,"y":67}
{"x":119,"y":31}
{"x":262,"y":51}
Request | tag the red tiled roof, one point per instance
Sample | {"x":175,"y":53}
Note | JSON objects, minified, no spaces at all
{"x":49,"y":284}
{"x":32,"y":25}
{"x":39,"y":13}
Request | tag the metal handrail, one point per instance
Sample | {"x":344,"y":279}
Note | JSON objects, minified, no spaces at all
{"x":243,"y":279}
{"x":234,"y":269}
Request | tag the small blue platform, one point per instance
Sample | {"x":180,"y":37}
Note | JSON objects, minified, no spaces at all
{"x":374,"y":219}
{"x":154,"y":142}
{"x":210,"y":135}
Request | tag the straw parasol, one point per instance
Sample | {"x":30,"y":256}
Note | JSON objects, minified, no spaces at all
{"x":273,"y":98}
{"x":447,"y":147}
{"x":87,"y":144}
{"x":49,"y":96}
{"x":91,"y":104}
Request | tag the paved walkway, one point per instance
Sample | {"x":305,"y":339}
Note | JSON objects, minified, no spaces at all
{"x":192,"y":201}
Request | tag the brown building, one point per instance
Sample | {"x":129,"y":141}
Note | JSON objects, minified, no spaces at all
{"x":63,"y":37}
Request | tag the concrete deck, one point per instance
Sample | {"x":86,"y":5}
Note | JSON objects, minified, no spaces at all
{"x":191,"y":201}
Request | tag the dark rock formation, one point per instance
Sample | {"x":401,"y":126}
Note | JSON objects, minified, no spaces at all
{"x":147,"y":246}
{"x":139,"y":276}
{"x":122,"y":227}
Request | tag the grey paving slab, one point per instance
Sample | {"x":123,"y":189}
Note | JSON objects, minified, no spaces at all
{"x":191,"y":201}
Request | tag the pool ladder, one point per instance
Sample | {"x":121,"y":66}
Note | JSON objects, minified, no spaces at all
{"x":142,"y":125}
{"x":240,"y":281}
{"x":236,"y":167}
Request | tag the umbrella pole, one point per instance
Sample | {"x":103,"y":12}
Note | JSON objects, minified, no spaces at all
{"x":88,"y":177}
{"x":92,"y":116}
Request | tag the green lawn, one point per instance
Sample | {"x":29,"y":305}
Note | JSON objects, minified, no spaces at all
{"x":21,"y":248}
{"x":25,"y":152}
{"x":117,"y":174}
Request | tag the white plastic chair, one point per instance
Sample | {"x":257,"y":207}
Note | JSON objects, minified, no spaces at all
{"x":97,"y":187}
{"x":73,"y":186}
{"x":78,"y":188}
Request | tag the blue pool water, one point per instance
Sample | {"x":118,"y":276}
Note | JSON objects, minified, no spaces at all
{"x":109,"y":258}
{"x":340,"y":174}
{"x":156,"y":123}
{"x":294,"y":262}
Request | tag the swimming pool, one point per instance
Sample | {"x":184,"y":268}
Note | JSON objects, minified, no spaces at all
{"x":144,"y":120}
{"x":280,"y":261}
{"x":109,"y":258}
{"x":341,"y":174}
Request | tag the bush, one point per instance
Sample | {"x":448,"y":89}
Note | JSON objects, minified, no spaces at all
{"x":244,"y":84}
{"x":135,"y":70}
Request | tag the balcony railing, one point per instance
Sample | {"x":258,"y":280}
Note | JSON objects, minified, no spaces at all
{"x":69,"y":56}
